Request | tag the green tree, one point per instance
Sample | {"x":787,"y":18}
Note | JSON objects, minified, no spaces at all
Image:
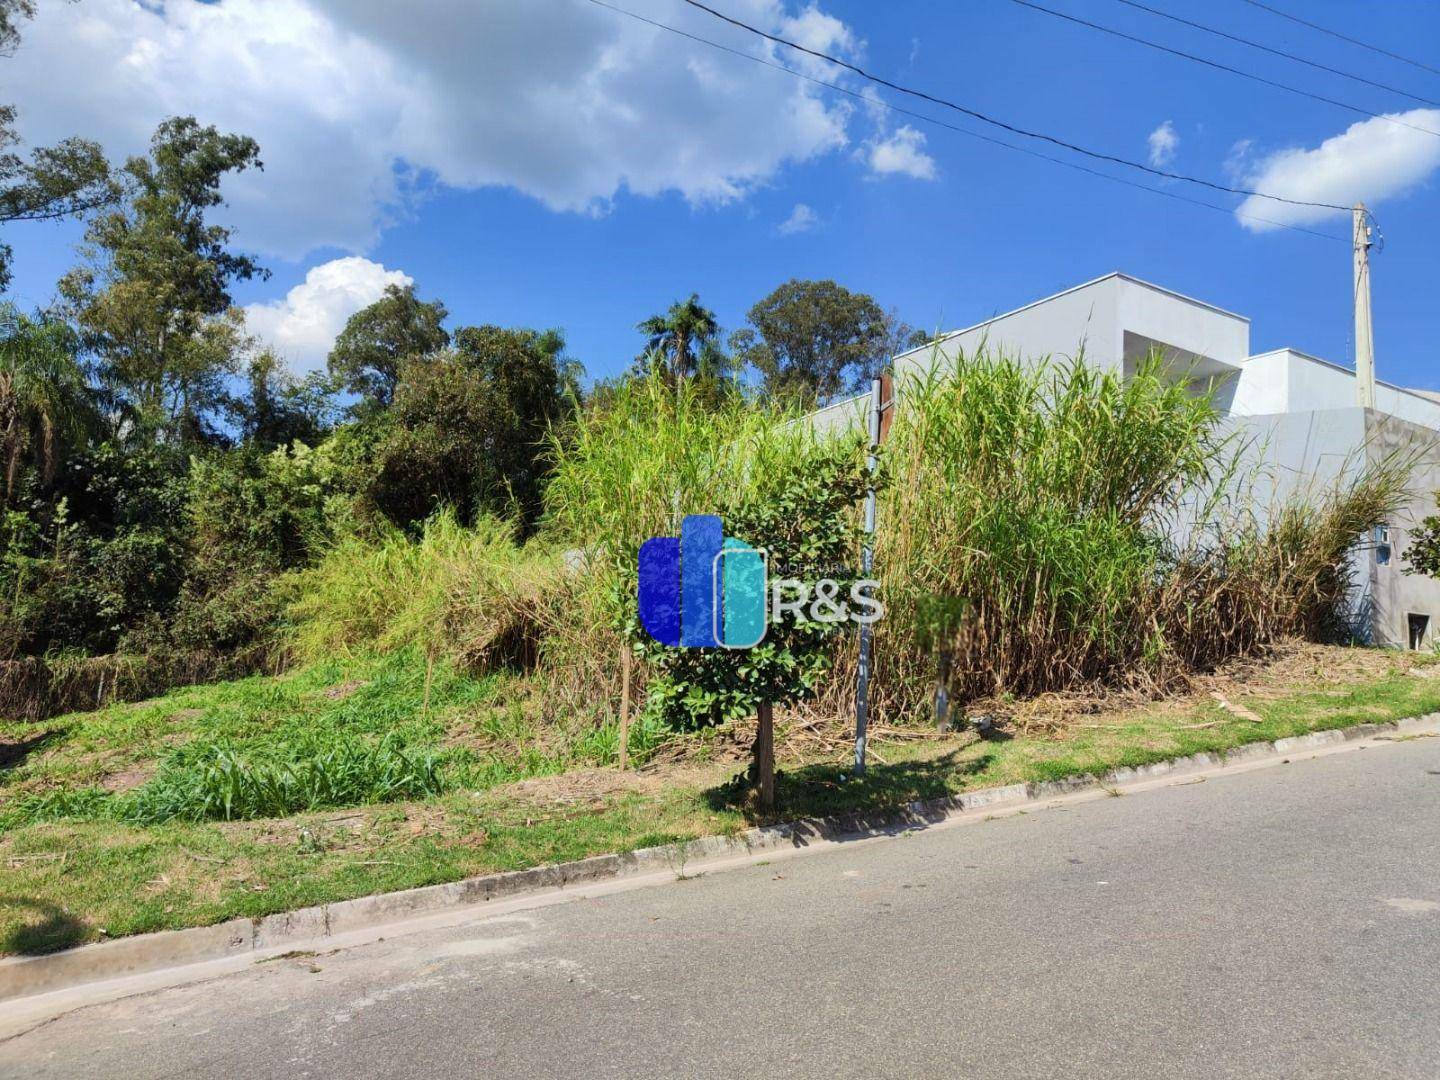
{"x":812,"y":340}
{"x":1423,"y":554}
{"x":44,"y":398}
{"x":65,"y":180}
{"x":676,"y":341}
{"x":278,"y":409}
{"x":153,"y":296}
{"x":803,"y":515}
{"x":467,"y":425}
{"x":379,"y":339}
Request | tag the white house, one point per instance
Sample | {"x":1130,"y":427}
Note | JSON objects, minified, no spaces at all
{"x":1302,"y":412}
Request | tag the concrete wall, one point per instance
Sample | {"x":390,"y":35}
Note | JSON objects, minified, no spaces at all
{"x":1302,"y":455}
{"x":1396,"y":594}
{"x":1290,"y":457}
{"x":851,"y":413}
{"x":1286,"y":380}
{"x":1115,"y":320}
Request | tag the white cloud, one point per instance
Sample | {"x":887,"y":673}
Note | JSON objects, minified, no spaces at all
{"x":1163,"y":142}
{"x":1371,"y":160}
{"x":801,"y":219}
{"x":302,"y":325}
{"x":903,"y":153}
{"x":357,"y":104}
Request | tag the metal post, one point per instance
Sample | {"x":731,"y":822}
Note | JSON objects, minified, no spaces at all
{"x":862,"y":686}
{"x":1364,"y":337}
{"x":942,"y":692}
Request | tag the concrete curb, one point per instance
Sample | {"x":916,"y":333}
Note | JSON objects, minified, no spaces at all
{"x":28,"y":976}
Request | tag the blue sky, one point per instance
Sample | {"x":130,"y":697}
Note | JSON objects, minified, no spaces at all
{"x":549,"y":163}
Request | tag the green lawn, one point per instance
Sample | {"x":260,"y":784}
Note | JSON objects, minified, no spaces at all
{"x":99,"y":833}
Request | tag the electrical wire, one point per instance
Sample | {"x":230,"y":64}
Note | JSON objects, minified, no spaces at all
{"x":1278,"y":52}
{"x":1012,"y":128}
{"x":1221,"y":67}
{"x":922,"y":117}
{"x":1343,"y":37}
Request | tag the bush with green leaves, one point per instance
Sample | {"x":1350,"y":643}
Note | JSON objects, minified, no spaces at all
{"x":251,"y":516}
{"x":803,"y":514}
{"x":1423,"y":554}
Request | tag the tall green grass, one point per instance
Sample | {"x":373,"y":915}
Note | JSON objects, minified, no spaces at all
{"x":225,"y":782}
{"x":1097,"y":529}
{"x":470,"y":594}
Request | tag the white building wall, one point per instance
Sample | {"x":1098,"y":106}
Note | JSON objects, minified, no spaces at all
{"x":1114,"y":321}
{"x":1287,"y":380}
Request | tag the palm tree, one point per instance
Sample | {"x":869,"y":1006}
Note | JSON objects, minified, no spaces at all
{"x":44,"y":399}
{"x":679,"y":337}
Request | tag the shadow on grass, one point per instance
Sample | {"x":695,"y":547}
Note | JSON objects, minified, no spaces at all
{"x":861,"y":806}
{"x":15,"y":753}
{"x":50,"y":929}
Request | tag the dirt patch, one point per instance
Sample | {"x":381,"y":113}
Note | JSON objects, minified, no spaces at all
{"x":1284,"y":669}
{"x":584,"y":785}
{"x":127,"y":779}
{"x":341,"y":691}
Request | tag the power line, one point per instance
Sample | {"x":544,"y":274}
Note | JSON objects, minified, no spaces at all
{"x":1220,"y":67}
{"x":869,"y":101}
{"x":1343,"y":37}
{"x":1097,"y":155}
{"x":1279,"y":52}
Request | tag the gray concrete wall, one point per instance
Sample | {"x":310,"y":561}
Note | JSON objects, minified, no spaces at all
{"x":1395,"y":594}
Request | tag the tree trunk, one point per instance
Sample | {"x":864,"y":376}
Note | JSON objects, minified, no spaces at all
{"x":765,"y":756}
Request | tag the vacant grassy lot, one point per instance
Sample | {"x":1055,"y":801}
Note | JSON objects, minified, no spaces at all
{"x":346,"y":779}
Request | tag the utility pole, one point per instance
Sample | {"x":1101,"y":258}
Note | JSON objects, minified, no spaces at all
{"x":1364,"y":337}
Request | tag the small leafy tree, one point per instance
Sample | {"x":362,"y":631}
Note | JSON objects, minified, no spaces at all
{"x":1423,"y":555}
{"x":279,"y":409}
{"x":803,"y":514}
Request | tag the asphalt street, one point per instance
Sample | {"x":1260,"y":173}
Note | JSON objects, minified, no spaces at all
{"x":1277,"y":923}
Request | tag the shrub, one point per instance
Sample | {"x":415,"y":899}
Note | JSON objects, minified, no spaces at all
{"x":470,"y":594}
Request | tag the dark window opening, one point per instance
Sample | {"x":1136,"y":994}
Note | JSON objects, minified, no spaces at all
{"x":1419,"y":627}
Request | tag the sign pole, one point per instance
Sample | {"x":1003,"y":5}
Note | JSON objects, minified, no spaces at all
{"x":862,"y":684}
{"x":626,"y":659}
